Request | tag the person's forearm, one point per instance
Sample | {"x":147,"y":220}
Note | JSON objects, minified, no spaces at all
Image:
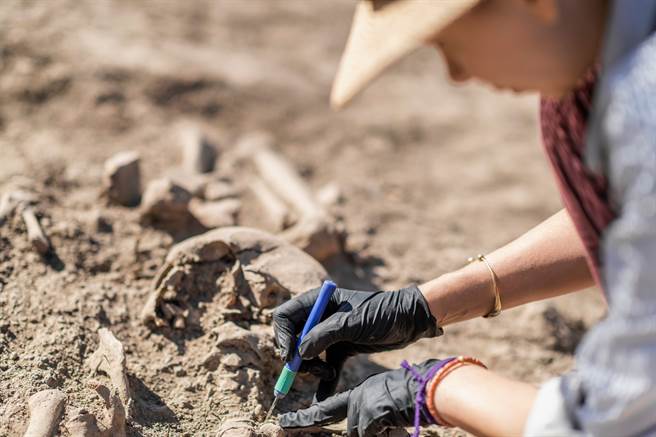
{"x":547,"y":261}
{"x":484,"y":403}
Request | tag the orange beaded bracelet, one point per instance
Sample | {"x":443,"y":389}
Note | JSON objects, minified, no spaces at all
{"x":439,"y":376}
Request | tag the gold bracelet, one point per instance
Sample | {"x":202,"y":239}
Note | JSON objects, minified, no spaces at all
{"x":497,"y":298}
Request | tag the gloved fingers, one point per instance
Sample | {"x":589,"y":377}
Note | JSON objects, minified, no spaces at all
{"x":325,"y":334}
{"x":328,"y":411}
{"x":288,"y":321}
{"x":319,"y":368}
{"x":335,"y":356}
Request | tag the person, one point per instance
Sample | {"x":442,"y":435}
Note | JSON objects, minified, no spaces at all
{"x":594,"y":64}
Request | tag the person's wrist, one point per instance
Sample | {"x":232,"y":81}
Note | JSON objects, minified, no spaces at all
{"x":435,"y":293}
{"x":425,"y":322}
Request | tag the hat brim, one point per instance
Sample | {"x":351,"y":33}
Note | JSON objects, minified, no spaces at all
{"x":383,"y":31}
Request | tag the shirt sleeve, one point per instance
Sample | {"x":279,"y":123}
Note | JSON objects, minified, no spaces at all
{"x":613,"y":391}
{"x":549,"y":417}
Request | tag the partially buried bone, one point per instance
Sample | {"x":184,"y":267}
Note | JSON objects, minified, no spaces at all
{"x":122,"y":178}
{"x":11,"y":200}
{"x":215,"y":214}
{"x":198,"y":153}
{"x":280,"y":176}
{"x":276,"y":210}
{"x":46,"y":409}
{"x":85,"y":424}
{"x":35,"y":234}
{"x":110,"y":359}
{"x":165,"y":205}
{"x":245,"y":267}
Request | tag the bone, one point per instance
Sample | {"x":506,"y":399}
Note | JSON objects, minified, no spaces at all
{"x":83,"y":424}
{"x":35,"y":234}
{"x":46,"y":409}
{"x":330,"y":195}
{"x":276,"y":210}
{"x":271,"y":430}
{"x":219,"y":190}
{"x":7,"y":206}
{"x":165,"y":205}
{"x":198,"y":153}
{"x":236,"y":427}
{"x":242,"y":262}
{"x":122,"y":178}
{"x":279,"y":174}
{"x":11,"y":200}
{"x":116,"y":412}
{"x":109,"y":358}
{"x":318,"y":237}
{"x":194,"y":183}
{"x":215,"y":214}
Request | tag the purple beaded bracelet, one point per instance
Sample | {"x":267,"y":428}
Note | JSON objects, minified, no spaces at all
{"x":420,"y":399}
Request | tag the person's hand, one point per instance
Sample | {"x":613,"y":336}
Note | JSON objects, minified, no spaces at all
{"x":354,"y":322}
{"x":380,"y":402}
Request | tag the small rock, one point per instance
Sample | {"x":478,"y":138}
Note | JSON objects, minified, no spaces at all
{"x":102,"y":224}
{"x":212,"y":360}
{"x":231,"y":360}
{"x":122,"y":178}
{"x":198,"y":154}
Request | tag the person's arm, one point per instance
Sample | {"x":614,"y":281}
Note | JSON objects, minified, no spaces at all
{"x":484,"y":403}
{"x":547,"y":261}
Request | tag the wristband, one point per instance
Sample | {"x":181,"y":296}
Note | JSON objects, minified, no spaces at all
{"x":442,"y":373}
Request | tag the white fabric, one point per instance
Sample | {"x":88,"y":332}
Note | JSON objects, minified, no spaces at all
{"x":548,"y":416}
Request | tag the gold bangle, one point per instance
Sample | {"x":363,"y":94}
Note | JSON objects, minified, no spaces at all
{"x":496,"y":310}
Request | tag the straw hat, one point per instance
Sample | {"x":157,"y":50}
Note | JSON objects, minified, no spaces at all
{"x":382,"y":32}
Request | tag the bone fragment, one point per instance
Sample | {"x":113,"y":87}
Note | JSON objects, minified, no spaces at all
{"x":315,"y":231}
{"x":46,"y":409}
{"x":109,"y":358}
{"x":122,"y":178}
{"x":116,"y":412}
{"x":318,"y":237}
{"x":11,"y":200}
{"x":215,"y":214}
{"x":7,"y":206}
{"x":35,"y":234}
{"x":165,"y":206}
{"x":83,"y":424}
{"x":198,"y":153}
{"x":219,"y":190}
{"x":279,"y":174}
{"x":276,"y":210}
{"x":330,"y":195}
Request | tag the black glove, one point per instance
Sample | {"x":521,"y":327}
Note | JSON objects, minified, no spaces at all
{"x":382,"y":401}
{"x":353,"y":322}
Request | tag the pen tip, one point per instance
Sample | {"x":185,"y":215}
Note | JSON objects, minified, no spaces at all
{"x":273,"y":406}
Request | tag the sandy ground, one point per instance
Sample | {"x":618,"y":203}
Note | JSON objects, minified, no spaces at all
{"x":430,"y":174}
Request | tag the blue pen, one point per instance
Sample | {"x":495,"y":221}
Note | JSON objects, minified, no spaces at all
{"x":286,"y":378}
